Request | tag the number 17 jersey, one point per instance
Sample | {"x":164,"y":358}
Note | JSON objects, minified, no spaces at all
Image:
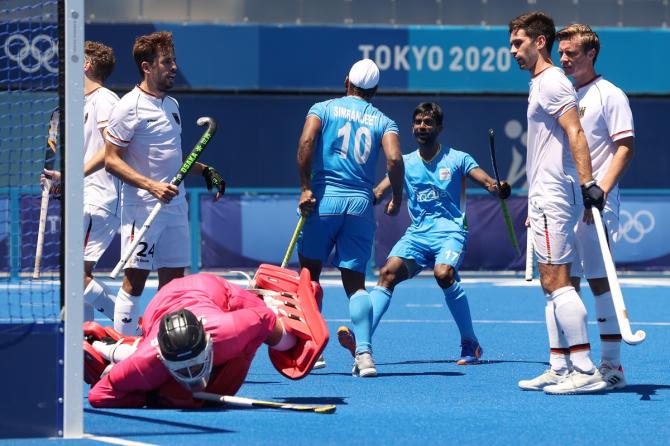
{"x":345,"y":158}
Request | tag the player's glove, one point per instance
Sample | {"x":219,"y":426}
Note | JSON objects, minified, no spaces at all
{"x":593,"y":195}
{"x":504,"y":191}
{"x":214,"y":179}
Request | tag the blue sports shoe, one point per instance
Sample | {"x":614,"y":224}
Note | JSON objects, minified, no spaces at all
{"x":471,"y":351}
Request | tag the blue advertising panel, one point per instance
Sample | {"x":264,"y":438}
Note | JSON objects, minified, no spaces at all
{"x":643,"y":234}
{"x":256,"y":143}
{"x":427,"y":59}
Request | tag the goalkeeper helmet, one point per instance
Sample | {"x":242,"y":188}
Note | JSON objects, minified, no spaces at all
{"x":186,"y":349}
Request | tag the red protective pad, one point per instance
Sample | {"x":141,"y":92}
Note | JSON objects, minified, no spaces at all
{"x":95,"y":332}
{"x":94,"y":364}
{"x":304,"y":320}
{"x":276,"y":278}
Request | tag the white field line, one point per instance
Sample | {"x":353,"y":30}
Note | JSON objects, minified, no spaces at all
{"x":119,"y":441}
{"x":485,"y":321}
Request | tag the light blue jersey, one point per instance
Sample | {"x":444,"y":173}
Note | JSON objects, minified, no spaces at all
{"x":345,"y":157}
{"x":437,"y":233}
{"x":434,"y":189}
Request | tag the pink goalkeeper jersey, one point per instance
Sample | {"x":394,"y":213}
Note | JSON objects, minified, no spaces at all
{"x":238,"y":322}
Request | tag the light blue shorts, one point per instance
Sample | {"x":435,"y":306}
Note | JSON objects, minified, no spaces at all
{"x":430,"y":248}
{"x":344,"y":223}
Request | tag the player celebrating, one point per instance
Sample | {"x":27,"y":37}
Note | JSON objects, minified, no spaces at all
{"x":437,"y":235}
{"x":337,"y":156}
{"x":558,"y":155}
{"x":101,"y":190}
{"x":143,"y":148}
{"x":608,"y":123}
{"x":201,"y":332}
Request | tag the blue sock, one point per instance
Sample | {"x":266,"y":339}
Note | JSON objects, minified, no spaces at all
{"x":381,"y":299}
{"x":360,"y":310}
{"x":457,"y":302}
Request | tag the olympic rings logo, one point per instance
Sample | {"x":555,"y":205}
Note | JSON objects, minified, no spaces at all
{"x":33,"y":55}
{"x":634,"y":227}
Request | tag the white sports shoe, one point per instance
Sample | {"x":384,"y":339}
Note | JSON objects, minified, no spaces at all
{"x":548,"y":378}
{"x":320,"y":363}
{"x":613,"y":376}
{"x":578,"y":383}
{"x":364,"y":366}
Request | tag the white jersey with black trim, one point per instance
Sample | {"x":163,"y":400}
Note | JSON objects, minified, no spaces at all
{"x":149,"y":128}
{"x":606,"y":118}
{"x":550,"y":168}
{"x":101,"y":189}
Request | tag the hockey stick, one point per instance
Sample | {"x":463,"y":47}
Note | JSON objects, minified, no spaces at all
{"x":49,"y":160}
{"x":248,"y":402}
{"x":617,"y":296}
{"x":294,"y":239}
{"x":178,"y":178}
{"x":503,"y":204}
{"x":530,"y":255}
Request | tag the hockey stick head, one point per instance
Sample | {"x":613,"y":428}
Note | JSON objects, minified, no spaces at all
{"x":634,"y":339}
{"x":209,"y":122}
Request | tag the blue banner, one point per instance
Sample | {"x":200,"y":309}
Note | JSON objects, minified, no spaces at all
{"x":426,"y":59}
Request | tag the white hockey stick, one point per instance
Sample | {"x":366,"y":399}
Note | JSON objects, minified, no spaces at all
{"x":49,"y":159}
{"x":617,"y":296}
{"x":178,"y":178}
{"x":248,"y":402}
{"x":530,"y":255}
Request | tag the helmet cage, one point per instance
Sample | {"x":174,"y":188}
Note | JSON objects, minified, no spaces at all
{"x":192,"y":373}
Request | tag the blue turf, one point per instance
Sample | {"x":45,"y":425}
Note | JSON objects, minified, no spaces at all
{"x":422,"y":396}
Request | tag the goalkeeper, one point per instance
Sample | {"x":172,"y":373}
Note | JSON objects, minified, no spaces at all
{"x":201,"y":332}
{"x":435,"y":179}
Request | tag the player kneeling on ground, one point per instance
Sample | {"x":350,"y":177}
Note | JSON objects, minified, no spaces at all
{"x":201,"y":332}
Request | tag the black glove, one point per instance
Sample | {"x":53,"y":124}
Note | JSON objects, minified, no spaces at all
{"x":504,"y":191}
{"x":593,"y":195}
{"x":213,"y":178}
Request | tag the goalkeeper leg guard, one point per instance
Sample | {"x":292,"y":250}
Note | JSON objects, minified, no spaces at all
{"x":94,"y":364}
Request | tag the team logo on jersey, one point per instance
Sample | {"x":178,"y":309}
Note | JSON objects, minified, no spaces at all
{"x":176,"y":118}
{"x":582,"y":111}
{"x":445,"y":174}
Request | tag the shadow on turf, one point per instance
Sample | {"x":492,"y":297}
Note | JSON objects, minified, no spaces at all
{"x":646,"y":391}
{"x":192,"y":428}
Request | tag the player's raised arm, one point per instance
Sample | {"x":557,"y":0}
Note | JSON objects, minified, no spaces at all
{"x":480,"y":176}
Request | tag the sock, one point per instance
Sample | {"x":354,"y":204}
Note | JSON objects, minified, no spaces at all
{"x":100,"y":297}
{"x":287,"y":341}
{"x":126,"y":313}
{"x":457,"y":302}
{"x":610,"y":334}
{"x":559,"y":353}
{"x":381,"y":299}
{"x":571,"y":320}
{"x":360,"y":310}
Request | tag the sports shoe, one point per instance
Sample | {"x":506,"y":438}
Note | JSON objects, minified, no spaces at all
{"x":577,"y":383}
{"x":548,"y":378}
{"x":347,"y":339}
{"x":613,"y":376}
{"x":320,"y":363}
{"x":471,"y":351}
{"x":364,"y":366}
